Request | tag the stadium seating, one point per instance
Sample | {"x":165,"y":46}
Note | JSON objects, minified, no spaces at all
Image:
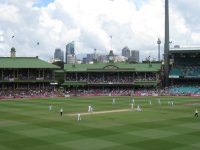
{"x":175,"y":72}
{"x":184,"y":90}
{"x":189,"y":67}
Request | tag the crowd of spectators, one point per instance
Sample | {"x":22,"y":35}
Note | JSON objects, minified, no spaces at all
{"x":111,"y":78}
{"x":112,"y":92}
{"x":32,"y":75}
{"x":31,"y":92}
{"x":182,"y":88}
{"x":173,"y":90}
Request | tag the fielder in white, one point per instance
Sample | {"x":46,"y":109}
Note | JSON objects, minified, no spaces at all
{"x":50,"y":107}
{"x":61,"y":111}
{"x":78,"y":116}
{"x":150,"y":102}
{"x":196,"y":114}
{"x":132,"y":105}
{"x":138,"y":108}
{"x":89,"y":108}
{"x":159,"y":102}
{"x":113,"y":102}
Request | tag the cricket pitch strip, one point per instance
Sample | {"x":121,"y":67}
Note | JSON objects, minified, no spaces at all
{"x":101,"y":112}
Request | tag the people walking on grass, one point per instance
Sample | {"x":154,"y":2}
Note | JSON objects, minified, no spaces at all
{"x":61,"y":111}
{"x":196,"y":114}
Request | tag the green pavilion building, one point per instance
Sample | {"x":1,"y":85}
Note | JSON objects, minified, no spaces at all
{"x":111,"y":76}
{"x":20,"y":73}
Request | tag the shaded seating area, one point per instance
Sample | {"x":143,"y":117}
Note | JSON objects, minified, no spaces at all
{"x":186,"y":67}
{"x":184,"y":90}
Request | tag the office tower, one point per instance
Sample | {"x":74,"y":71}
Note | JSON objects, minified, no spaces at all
{"x":69,"y":50}
{"x":126,"y":52}
{"x":135,"y":56}
{"x":71,"y":59}
{"x":58,"y":54}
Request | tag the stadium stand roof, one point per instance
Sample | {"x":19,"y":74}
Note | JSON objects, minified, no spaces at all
{"x":119,"y":66}
{"x":185,"y":50}
{"x":25,"y":62}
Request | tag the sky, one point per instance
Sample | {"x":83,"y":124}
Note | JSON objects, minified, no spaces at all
{"x":38,"y":27}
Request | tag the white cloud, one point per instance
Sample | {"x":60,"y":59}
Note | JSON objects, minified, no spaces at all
{"x":91,"y":22}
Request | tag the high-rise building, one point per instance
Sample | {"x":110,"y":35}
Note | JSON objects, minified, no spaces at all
{"x":69,"y":49}
{"x":126,"y":52}
{"x":98,"y":57}
{"x":135,"y":56}
{"x":58,"y":54}
{"x":90,"y":57}
{"x":71,"y":59}
{"x":84,"y":60}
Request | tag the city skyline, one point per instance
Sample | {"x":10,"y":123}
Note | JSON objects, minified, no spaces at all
{"x":90,"y":24}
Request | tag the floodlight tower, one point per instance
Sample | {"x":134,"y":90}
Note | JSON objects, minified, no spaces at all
{"x":166,"y":44}
{"x":159,"y":42}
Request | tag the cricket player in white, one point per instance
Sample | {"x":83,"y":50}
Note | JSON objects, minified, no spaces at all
{"x":159,"y":102}
{"x":138,"y":108}
{"x":131,"y":105}
{"x":78,"y":116}
{"x":133,"y":101}
{"x":61,"y":111}
{"x":50,"y":107}
{"x":89,"y":108}
{"x":196,"y":113}
{"x":150,"y":102}
{"x":113,"y":101}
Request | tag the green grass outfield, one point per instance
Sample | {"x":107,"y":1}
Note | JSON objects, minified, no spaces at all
{"x":27,"y":124}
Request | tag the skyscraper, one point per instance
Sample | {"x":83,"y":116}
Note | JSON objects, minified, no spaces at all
{"x":126,"y":52}
{"x":71,"y":59}
{"x":136,"y":55}
{"x":58,"y":54}
{"x":69,"y":50}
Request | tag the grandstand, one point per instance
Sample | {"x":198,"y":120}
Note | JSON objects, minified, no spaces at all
{"x":26,"y":76}
{"x":30,"y":76}
{"x":184,"y":70}
{"x":110,"y":78}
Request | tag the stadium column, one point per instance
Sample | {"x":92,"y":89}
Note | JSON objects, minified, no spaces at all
{"x":166,"y":45}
